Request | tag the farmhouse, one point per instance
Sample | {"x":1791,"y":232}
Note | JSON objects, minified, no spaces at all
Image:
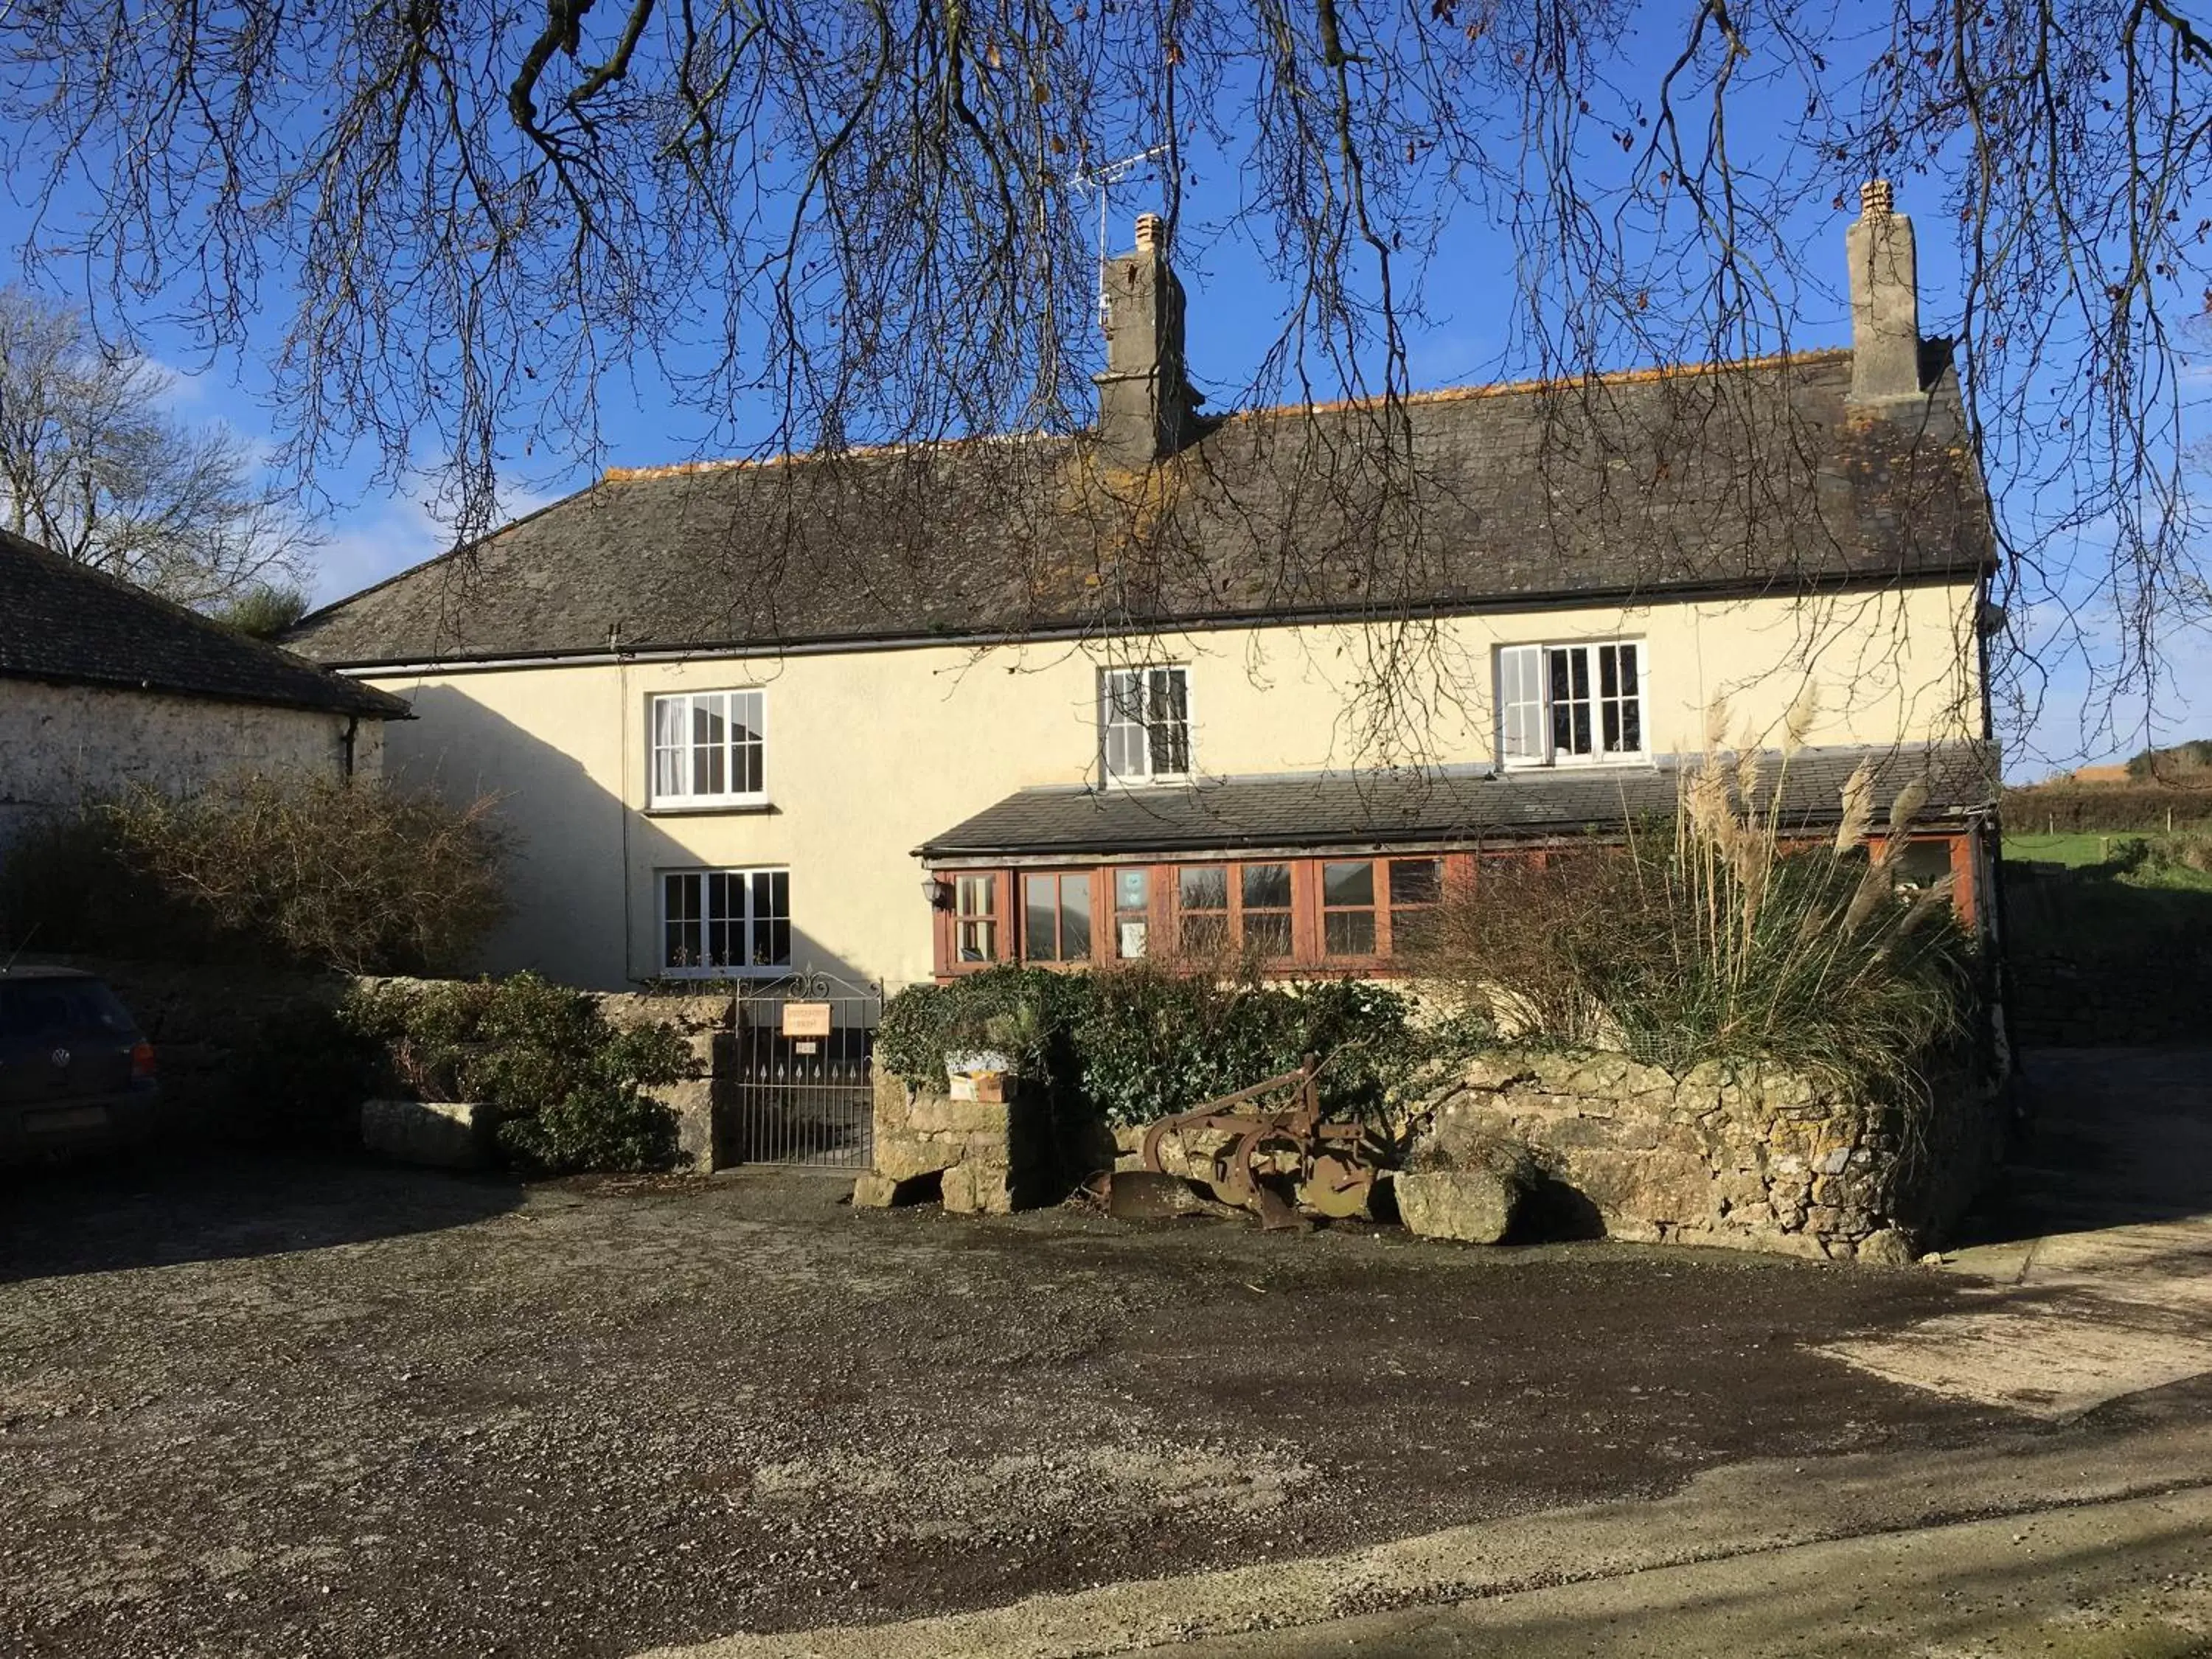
{"x":104,"y":686}
{"x":1258,"y":682}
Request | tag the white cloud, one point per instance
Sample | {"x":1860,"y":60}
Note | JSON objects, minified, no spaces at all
{"x":381,"y":539}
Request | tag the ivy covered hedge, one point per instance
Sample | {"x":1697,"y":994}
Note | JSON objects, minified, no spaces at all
{"x":571,"y":1089}
{"x":1137,"y":1042}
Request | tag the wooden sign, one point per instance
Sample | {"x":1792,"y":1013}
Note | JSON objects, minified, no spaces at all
{"x":807,"y":1019}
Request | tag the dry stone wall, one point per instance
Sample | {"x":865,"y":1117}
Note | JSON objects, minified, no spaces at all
{"x":211,"y":1029}
{"x":982,"y":1157}
{"x":1746,"y":1156}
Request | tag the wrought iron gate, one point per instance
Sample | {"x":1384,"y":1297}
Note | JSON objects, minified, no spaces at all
{"x":802,"y":1091}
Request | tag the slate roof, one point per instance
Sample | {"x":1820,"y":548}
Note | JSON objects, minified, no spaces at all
{"x":66,"y":624}
{"x":1745,"y":477}
{"x":1450,"y":805}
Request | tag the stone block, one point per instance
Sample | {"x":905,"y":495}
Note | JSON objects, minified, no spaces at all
{"x":1475,"y":1206}
{"x":1764,"y":1241}
{"x":893,"y":1094}
{"x":696,"y":1138}
{"x":1890,"y":1248}
{"x":1664,"y":1184}
{"x":1708,"y":1086}
{"x":1737,"y":1189}
{"x":993,"y":1119}
{"x":446,"y":1134}
{"x":1493,"y":1072}
{"x":902,"y":1156}
{"x":874,"y":1192}
{"x":978,"y":1189}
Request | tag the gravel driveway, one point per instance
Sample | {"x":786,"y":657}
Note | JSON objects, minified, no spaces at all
{"x":277,"y":1407}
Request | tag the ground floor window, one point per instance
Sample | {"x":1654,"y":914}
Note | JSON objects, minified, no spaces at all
{"x":1133,"y":913}
{"x":1275,"y":913}
{"x":725,"y":922}
{"x":1417,"y":886}
{"x":976,"y":924}
{"x":1347,"y":909}
{"x":1202,"y":907}
{"x":1056,"y":917}
{"x":1280,"y":915}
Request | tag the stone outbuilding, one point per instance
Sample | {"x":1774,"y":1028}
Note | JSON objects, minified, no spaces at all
{"x":104,"y":686}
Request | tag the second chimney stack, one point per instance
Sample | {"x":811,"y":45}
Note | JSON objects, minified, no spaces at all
{"x":1145,"y":405}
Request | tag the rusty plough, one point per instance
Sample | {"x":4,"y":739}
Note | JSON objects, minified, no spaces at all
{"x":1327,"y":1168}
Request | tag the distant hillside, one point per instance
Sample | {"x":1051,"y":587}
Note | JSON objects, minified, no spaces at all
{"x":2185,"y":765}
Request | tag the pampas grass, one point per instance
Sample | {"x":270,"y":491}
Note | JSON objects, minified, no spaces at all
{"x":1739,"y":935}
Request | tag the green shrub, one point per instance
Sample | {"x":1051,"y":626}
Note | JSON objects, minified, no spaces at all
{"x":571,"y":1089}
{"x":1025,"y":1012}
{"x":1137,"y":1042}
{"x":354,"y":876}
{"x":1154,"y":1042}
{"x":1727,"y":939}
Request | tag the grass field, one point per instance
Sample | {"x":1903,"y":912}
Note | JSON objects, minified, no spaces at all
{"x":2088,"y":853}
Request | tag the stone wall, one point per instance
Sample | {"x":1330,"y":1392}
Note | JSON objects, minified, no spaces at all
{"x":213,"y":1029}
{"x":981,"y":1155}
{"x":1747,"y":1156}
{"x":701,"y":1102}
{"x":60,"y":743}
{"x":2153,"y":993}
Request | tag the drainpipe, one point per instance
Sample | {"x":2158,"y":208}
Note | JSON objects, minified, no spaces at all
{"x":345,"y":746}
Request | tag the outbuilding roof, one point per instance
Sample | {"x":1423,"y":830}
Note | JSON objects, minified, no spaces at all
{"x":1738,"y":478}
{"x":69,"y":625}
{"x":1452,"y":805}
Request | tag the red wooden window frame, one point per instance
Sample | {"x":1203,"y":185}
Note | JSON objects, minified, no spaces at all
{"x":1163,"y":912}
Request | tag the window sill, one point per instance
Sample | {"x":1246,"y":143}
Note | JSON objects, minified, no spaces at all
{"x":712,"y":809}
{"x":710,"y":975}
{"x":1581,"y":764}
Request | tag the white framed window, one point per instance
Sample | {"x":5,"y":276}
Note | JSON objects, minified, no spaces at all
{"x":709,"y":749}
{"x":1562,"y":705}
{"x":1144,"y":723}
{"x":725,"y":922}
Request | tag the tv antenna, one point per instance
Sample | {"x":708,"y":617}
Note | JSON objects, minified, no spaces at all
{"x":1100,"y":179}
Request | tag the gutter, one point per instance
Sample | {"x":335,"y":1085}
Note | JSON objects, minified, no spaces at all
{"x":1958,"y":820}
{"x":839,"y":644}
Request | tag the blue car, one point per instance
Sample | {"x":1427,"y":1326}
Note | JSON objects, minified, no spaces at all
{"x":76,"y":1073}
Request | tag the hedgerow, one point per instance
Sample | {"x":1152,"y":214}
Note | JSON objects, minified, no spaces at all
{"x":357,"y":876}
{"x":571,"y":1089}
{"x":1135,"y":1042}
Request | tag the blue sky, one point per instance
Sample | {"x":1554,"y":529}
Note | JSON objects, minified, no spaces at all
{"x":1234,"y":312}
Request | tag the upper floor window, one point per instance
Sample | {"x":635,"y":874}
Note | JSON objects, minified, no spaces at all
{"x":1563,"y":704}
{"x":1144,"y":723}
{"x":709,"y":750}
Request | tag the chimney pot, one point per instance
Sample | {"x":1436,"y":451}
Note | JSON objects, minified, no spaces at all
{"x":1152,"y":233}
{"x":1876,"y":199}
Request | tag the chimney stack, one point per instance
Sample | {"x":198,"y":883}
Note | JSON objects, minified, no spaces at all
{"x":1146,"y":405}
{"x":1885,"y":302}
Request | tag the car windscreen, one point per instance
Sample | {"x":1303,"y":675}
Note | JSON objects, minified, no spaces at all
{"x":33,"y":1009}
